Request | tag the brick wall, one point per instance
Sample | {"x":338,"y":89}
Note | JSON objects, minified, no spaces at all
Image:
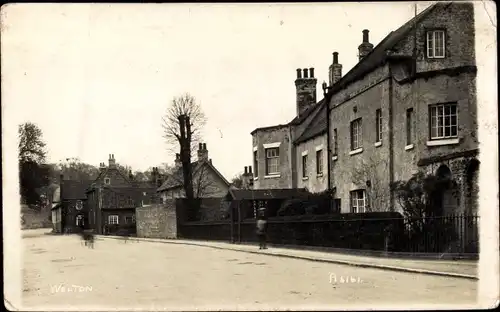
{"x":157,"y":221}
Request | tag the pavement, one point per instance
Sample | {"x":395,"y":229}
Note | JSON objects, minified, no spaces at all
{"x":451,"y":268}
{"x":59,"y":274}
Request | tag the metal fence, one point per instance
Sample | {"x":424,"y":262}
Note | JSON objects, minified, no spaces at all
{"x":447,"y":234}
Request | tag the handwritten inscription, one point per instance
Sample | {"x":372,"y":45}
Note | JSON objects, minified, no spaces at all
{"x":344,"y":279}
{"x":69,"y":288}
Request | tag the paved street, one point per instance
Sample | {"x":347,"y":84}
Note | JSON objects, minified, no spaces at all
{"x":60,"y":273}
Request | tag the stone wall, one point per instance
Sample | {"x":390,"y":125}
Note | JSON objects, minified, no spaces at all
{"x":32,"y":219}
{"x":157,"y":221}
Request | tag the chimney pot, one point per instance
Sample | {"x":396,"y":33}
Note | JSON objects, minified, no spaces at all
{"x":305,"y":73}
{"x":335,"y":57}
{"x":365,"y":35}
{"x":246,"y":170}
{"x":311,"y":72}
{"x":299,"y":73}
{"x":250,"y":169}
{"x":204,"y":146}
{"x":200,"y":146}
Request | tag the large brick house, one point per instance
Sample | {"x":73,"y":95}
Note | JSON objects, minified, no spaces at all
{"x":113,"y":196}
{"x":110,"y":199}
{"x":409,"y":104}
{"x":208,"y":182}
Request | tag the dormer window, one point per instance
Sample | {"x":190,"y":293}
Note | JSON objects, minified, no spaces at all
{"x":107,"y":181}
{"x":436,"y":44}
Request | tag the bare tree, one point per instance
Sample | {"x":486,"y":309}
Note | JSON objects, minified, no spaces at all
{"x":370,"y":172}
{"x":184,"y":105}
{"x":204,"y":185}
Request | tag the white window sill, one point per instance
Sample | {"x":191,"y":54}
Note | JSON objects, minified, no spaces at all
{"x":305,"y":178}
{"x":377,"y":144}
{"x":256,"y":178}
{"x":272,"y":176}
{"x":440,"y":142}
{"x":409,"y":147}
{"x":335,"y":157}
{"x":319,"y":175}
{"x":356,"y":151}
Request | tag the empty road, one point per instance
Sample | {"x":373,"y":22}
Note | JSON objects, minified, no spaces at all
{"x":59,"y":273}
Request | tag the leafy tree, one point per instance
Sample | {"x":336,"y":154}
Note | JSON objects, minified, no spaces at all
{"x":31,"y":145}
{"x":33,"y":173}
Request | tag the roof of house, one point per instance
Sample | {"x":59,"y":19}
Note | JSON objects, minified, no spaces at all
{"x":176,"y":180}
{"x":73,"y":189}
{"x":371,"y":61}
{"x":379,"y":53}
{"x":238,"y":194}
{"x":316,"y":126}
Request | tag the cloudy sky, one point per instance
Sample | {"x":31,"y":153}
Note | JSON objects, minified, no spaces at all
{"x":98,"y":77}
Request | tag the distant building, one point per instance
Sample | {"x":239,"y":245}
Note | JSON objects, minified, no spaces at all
{"x":110,"y":199}
{"x":409,"y":104}
{"x":208,"y":182}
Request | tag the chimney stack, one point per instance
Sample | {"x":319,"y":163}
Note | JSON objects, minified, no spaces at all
{"x":305,"y":89}
{"x":202,"y":152}
{"x":246,"y":170}
{"x":365,"y":47}
{"x":335,"y":70}
{"x":250,"y":170}
{"x":111,"y":161}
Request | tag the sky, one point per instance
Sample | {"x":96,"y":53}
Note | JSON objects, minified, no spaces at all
{"x":97,"y":78}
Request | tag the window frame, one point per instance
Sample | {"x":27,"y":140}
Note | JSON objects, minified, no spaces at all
{"x":335,"y":142}
{"x":107,"y":179}
{"x":79,"y":217}
{"x":431,"y":34}
{"x":256,"y":163}
{"x":110,"y":218}
{"x":304,"y":166}
{"x":359,"y":134}
{"x":435,"y":118}
{"x":378,"y":125}
{"x":354,"y":198}
{"x":268,"y":160}
{"x":319,"y":162}
{"x":410,"y":131}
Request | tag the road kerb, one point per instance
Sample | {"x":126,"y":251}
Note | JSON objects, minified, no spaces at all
{"x":307,"y":258}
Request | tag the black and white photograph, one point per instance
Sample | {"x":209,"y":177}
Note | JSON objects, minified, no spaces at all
{"x":250,"y":156}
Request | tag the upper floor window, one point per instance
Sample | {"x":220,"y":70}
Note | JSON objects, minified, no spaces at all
{"x":358,"y":201}
{"x":272,"y":160}
{"x":79,"y":205}
{"x":335,"y":143}
{"x":443,"y":121}
{"x":435,"y":44}
{"x":112,"y":219}
{"x":319,"y":162}
{"x":409,"y":126}
{"x":304,"y":166}
{"x":255,"y":163}
{"x":356,"y":134}
{"x":107,"y":181}
{"x":378,"y":125}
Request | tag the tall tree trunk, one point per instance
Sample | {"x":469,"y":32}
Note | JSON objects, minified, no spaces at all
{"x":185,"y":132}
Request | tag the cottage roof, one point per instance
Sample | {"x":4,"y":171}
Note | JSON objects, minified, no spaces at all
{"x":316,"y":126}
{"x":262,"y":194}
{"x":74,"y":189}
{"x":176,"y":180}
